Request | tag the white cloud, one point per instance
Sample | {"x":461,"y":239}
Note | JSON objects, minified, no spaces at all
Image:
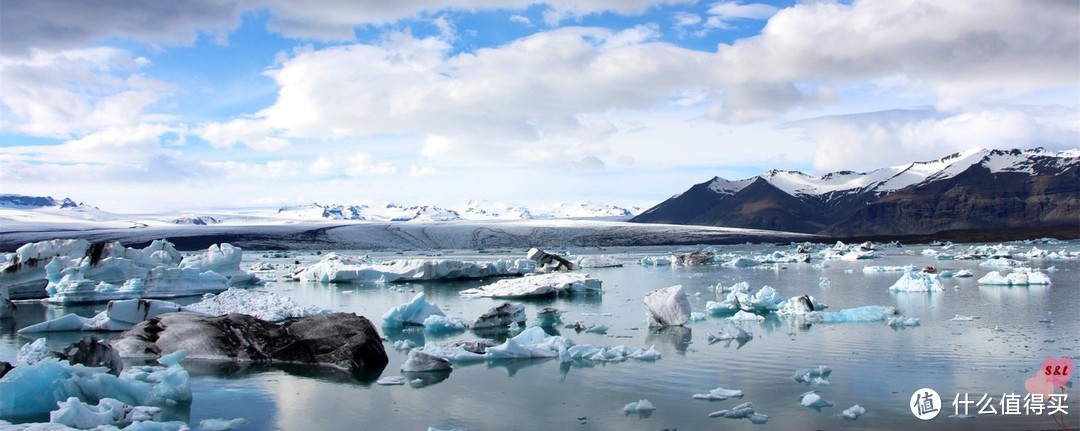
{"x":67,"y":93}
{"x":422,"y":171}
{"x":892,"y":138}
{"x":521,"y":19}
{"x":722,"y":14}
{"x":362,"y":164}
{"x":247,"y":131}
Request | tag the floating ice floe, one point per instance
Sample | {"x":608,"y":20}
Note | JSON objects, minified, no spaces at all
{"x":221,"y":424}
{"x":1018,"y":277}
{"x":435,"y":324}
{"x":155,"y":386}
{"x":741,"y":411}
{"x":551,"y":284}
{"x":819,"y":375}
{"x":764,"y":301}
{"x":698,"y":317}
{"x":655,"y":261}
{"x":108,"y":412}
{"x":719,"y":394}
{"x":743,"y":315}
{"x":159,"y":282}
{"x":814,"y":401}
{"x":535,"y":343}
{"x":638,"y":406}
{"x":800,"y":305}
{"x":963,"y":318}
{"x":338,"y":268}
{"x":414,"y":312}
{"x":597,"y":261}
{"x":918,"y":282}
{"x":668,"y":306}
{"x":853,"y":412}
{"x":866,"y":313}
{"x":879,"y":268}
{"x":1000,"y":262}
{"x":901,"y":321}
{"x":963,"y":273}
{"x":268,"y":306}
{"x":118,"y":316}
{"x":501,"y":316}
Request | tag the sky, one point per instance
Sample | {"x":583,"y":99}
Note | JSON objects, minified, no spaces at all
{"x":144,"y":106}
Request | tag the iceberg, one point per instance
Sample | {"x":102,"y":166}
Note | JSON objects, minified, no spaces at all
{"x":1018,"y":277}
{"x":535,"y":343}
{"x":741,"y":411}
{"x":812,"y":375}
{"x":853,"y":412}
{"x":597,"y":261}
{"x":109,"y":411}
{"x":743,"y":315}
{"x":799,"y":305}
{"x":963,"y":273}
{"x":223,"y":259}
{"x":221,"y":424}
{"x":420,"y":361}
{"x":548,"y":317}
{"x":667,"y":306}
{"x":338,"y":268}
{"x":40,"y":386}
{"x":655,"y":261}
{"x":414,"y":312}
{"x":719,"y":394}
{"x":267,"y":306}
{"x":877,"y":269}
{"x":159,"y":282}
{"x":7,"y":308}
{"x":435,"y":324}
{"x":741,"y":262}
{"x":918,"y":282}
{"x":814,"y":401}
{"x":23,"y":272}
{"x":501,"y":316}
{"x":901,"y":321}
{"x":391,"y":381}
{"x":119,"y":315}
{"x":963,"y":318}
{"x":764,"y":301}
{"x":866,"y":313}
{"x":638,"y":407}
{"x":551,"y":284}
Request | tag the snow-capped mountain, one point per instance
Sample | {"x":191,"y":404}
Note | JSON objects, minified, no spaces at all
{"x":975,"y":189}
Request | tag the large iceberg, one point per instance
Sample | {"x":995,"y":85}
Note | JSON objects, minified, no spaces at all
{"x":1018,"y":277}
{"x":37,"y":388}
{"x":551,"y":284}
{"x":338,"y":268}
{"x":414,"y":312}
{"x":535,"y":343}
{"x":913,"y":281}
{"x":764,"y":301}
{"x":667,"y":306}
{"x":267,"y":306}
{"x":501,"y":316}
{"x":7,"y":308}
{"x":119,"y":315}
{"x":77,"y":271}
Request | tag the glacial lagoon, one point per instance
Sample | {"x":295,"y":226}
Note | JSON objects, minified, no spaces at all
{"x":1013,"y":330}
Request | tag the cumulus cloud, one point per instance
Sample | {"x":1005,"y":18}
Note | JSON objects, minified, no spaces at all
{"x":247,"y":131}
{"x":896,"y":137}
{"x":722,"y":14}
{"x":65,"y":93}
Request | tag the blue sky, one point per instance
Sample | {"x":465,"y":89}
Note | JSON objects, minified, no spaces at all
{"x":204,"y":104}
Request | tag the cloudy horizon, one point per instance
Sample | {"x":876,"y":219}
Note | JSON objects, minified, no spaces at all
{"x":202,"y":104}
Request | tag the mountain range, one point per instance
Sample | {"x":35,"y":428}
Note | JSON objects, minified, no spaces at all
{"x":976,"y":190}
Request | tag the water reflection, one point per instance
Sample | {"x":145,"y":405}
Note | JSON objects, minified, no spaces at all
{"x":426,"y":378}
{"x":917,"y":303}
{"x":1014,"y":295}
{"x":234,"y":370}
{"x":678,"y":337}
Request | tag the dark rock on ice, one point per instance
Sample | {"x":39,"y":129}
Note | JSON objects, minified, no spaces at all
{"x":342,"y":340}
{"x":5,"y":367}
{"x":92,"y":352}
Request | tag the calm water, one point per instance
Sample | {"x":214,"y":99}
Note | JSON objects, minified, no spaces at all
{"x":875,"y":366}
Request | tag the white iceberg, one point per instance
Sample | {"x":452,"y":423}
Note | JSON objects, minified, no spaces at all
{"x":918,"y":282}
{"x":963,"y":273}
{"x":597,"y":261}
{"x":764,"y":301}
{"x":811,"y":375}
{"x":638,"y":406}
{"x":743,"y":315}
{"x":668,"y":306}
{"x":23,"y":272}
{"x":1018,"y":277}
{"x":119,"y":315}
{"x":535,"y":343}
{"x":390,"y":381}
{"x":223,"y":259}
{"x":900,"y":321}
{"x":435,"y":324}
{"x":866,"y":313}
{"x":267,"y":306}
{"x":159,"y":282}
{"x":108,"y":412}
{"x":337,"y":268}
{"x":963,"y":318}
{"x":655,"y":261}
{"x":853,"y":412}
{"x":414,"y":312}
{"x":814,"y":401}
{"x":551,"y":284}
{"x":799,"y":305}
{"x":741,"y":411}
{"x":719,"y":394}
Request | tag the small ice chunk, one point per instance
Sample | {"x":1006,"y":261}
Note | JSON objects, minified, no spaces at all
{"x":221,"y":424}
{"x":963,"y":273}
{"x":900,"y":321}
{"x":501,"y":316}
{"x":31,"y":353}
{"x":1018,"y":277}
{"x":963,"y":318}
{"x":638,"y":406}
{"x":404,"y":345}
{"x":421,"y":361}
{"x":391,"y":381}
{"x":444,"y":324}
{"x":853,"y":412}
{"x":807,"y":375}
{"x":719,"y":394}
{"x":743,"y":315}
{"x":668,"y":306}
{"x":597,"y":329}
{"x":548,"y":317}
{"x":814,"y":401}
{"x":741,"y":411}
{"x":918,"y":282}
{"x":697,"y":317}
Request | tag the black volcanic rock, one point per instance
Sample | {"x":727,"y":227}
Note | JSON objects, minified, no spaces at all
{"x":342,"y":340}
{"x":1020,"y":191}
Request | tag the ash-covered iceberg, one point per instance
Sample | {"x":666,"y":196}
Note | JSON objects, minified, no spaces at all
{"x":501,"y":316}
{"x":551,"y":284}
{"x":668,"y":306}
{"x":338,"y":268}
{"x":119,"y":315}
{"x":23,"y":272}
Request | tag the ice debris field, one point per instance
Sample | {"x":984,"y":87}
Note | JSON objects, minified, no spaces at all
{"x":488,"y":322}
